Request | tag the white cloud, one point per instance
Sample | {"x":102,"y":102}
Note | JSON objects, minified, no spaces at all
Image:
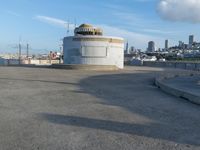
{"x":54,"y":21}
{"x":180,"y":10}
{"x":12,"y":13}
{"x":130,"y":18}
{"x":158,"y":31}
{"x":140,"y":23}
{"x":144,"y":0}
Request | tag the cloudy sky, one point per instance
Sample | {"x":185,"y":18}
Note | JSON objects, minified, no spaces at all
{"x":42,"y":23}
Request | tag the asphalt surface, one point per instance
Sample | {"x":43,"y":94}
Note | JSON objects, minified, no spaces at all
{"x":52,"y":109}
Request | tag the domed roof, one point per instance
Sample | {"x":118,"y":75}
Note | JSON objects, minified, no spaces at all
{"x":87,"y":29}
{"x":85,"y":26}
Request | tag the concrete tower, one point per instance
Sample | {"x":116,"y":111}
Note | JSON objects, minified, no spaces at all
{"x":89,"y":46}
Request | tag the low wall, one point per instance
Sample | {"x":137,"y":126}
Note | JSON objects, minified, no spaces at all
{"x":41,"y":62}
{"x":172,"y":64}
{"x":69,"y":67}
{"x":85,"y":67}
{"x":190,"y":96}
{"x":36,"y":62}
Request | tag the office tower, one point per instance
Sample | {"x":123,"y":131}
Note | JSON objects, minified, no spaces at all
{"x":166,"y":44}
{"x":151,"y":46}
{"x":191,"y":40}
{"x":127,"y":48}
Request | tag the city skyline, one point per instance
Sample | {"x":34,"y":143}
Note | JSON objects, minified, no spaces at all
{"x":43,"y":24}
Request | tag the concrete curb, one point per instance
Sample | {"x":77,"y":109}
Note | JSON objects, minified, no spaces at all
{"x":70,"y":67}
{"x":159,"y":82}
{"x":85,"y":67}
{"x":27,"y":65}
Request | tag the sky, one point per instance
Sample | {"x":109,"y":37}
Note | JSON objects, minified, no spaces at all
{"x":43,"y":23}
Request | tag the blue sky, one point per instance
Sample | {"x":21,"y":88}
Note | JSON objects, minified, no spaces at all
{"x":42,"y":23}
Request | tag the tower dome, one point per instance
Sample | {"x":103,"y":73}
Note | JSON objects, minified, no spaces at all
{"x":87,"y":29}
{"x":85,"y":26}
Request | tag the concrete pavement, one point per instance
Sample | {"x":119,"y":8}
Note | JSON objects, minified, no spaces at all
{"x":185,"y":86}
{"x":52,"y":109}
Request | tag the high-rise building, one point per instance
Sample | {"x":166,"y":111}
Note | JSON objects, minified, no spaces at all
{"x":127,"y":48}
{"x":151,"y":46}
{"x":132,"y":49}
{"x":191,"y":40}
{"x":181,"y":44}
{"x":166,"y":44}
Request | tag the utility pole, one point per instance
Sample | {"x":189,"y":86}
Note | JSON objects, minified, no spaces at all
{"x":75,"y":23}
{"x":20,"y":51}
{"x":68,"y":28}
{"x":27,"y":50}
{"x":60,"y":55}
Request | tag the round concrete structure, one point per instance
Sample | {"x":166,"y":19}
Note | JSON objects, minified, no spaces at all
{"x":89,"y":47}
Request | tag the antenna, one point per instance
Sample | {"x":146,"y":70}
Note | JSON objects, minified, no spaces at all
{"x":27,"y":50}
{"x":20,"y":50}
{"x":74,"y":23}
{"x":68,"y":27}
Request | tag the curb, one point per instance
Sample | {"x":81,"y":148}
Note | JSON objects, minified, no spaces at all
{"x":70,"y":67}
{"x":175,"y":91}
{"x":85,"y":67}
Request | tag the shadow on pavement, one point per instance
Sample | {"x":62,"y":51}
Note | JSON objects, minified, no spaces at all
{"x":174,"y":120}
{"x":31,"y":80}
{"x":149,"y":130}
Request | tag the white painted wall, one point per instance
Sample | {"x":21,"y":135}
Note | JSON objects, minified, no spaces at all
{"x":93,"y":52}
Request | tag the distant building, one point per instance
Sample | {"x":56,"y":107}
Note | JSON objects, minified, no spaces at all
{"x":132,"y":49}
{"x":127,"y":48}
{"x":151,"y":46}
{"x":191,"y":40}
{"x":166,"y":44}
{"x":196,"y":45}
{"x":181,"y":44}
